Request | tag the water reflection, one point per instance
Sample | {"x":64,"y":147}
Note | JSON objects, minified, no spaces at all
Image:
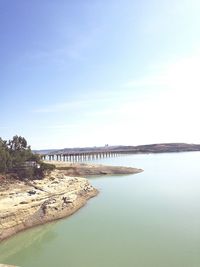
{"x":37,"y":238}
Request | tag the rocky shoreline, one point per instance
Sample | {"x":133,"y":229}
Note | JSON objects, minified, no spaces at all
{"x":25,"y":204}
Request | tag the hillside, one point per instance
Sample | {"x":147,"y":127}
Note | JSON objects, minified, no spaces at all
{"x":152,"y":148}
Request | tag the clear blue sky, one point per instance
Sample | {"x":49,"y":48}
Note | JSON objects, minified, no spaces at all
{"x":86,"y":73}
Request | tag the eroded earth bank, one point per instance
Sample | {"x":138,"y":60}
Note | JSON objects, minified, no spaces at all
{"x":24,"y":204}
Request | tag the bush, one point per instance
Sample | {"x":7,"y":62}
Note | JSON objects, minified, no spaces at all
{"x":16,"y":157}
{"x":44,"y":169}
{"x":26,"y":173}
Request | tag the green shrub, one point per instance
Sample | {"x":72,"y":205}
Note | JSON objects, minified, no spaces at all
{"x":16,"y":157}
{"x":44,"y":169}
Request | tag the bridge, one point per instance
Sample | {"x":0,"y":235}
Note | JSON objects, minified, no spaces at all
{"x":85,"y":154}
{"x":80,"y":156}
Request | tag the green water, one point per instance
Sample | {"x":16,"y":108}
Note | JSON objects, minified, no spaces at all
{"x":151,"y":219}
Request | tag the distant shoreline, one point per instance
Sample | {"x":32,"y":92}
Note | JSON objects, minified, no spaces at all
{"x":140,"y":149}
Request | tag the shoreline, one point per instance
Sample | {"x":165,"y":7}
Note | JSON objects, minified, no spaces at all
{"x":26,"y":204}
{"x":90,"y":169}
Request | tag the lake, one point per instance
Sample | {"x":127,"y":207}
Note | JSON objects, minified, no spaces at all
{"x":150,"y":219}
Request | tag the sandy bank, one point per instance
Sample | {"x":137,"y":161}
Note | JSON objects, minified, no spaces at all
{"x":83,"y":169}
{"x":24,"y":205}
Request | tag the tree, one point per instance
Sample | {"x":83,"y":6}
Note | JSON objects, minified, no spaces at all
{"x":18,"y":143}
{"x":5,"y":159}
{"x":16,"y":156}
{"x":19,"y":150}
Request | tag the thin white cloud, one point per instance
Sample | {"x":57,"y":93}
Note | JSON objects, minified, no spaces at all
{"x":64,"y":106}
{"x":66,"y":126}
{"x":138,"y":114}
{"x":74,"y":49}
{"x":155,"y":80}
{"x":83,"y":103}
{"x":180,"y":75}
{"x":4,"y":127}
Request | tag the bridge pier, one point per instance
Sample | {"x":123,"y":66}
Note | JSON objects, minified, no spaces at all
{"x":82,"y":156}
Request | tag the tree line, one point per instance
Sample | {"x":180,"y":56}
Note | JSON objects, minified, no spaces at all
{"x":16,"y":157}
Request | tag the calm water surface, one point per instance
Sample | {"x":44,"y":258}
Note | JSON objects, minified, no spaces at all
{"x":151,"y":219}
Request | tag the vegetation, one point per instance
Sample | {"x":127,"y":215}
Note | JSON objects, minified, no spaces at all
{"x":16,"y":157}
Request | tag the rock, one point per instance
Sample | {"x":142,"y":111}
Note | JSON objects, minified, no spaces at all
{"x":31,"y":192}
{"x":30,"y":203}
{"x":46,"y":201}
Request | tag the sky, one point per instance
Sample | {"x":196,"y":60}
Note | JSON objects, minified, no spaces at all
{"x":95,"y":72}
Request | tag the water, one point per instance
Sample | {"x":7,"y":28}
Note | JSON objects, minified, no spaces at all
{"x":151,"y":219}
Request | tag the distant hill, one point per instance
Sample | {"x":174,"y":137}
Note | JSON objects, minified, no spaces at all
{"x":152,"y":148}
{"x":44,"y":151}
